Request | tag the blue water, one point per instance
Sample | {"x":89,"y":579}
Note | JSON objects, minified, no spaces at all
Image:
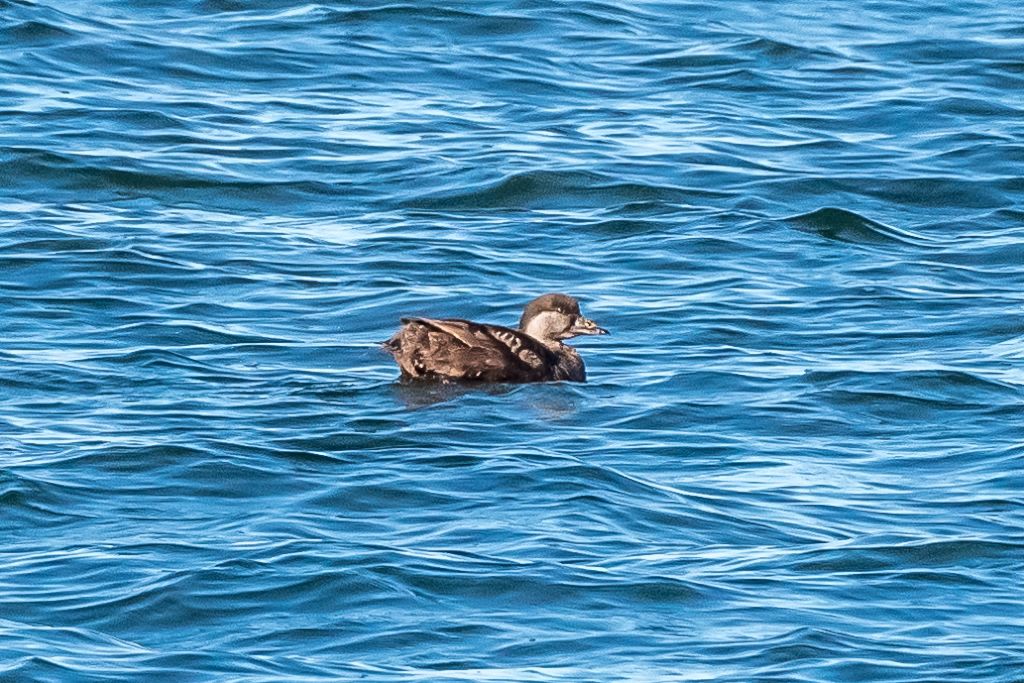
{"x":800,"y":455}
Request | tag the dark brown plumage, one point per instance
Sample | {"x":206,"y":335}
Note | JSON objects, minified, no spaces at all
{"x":455,"y":349}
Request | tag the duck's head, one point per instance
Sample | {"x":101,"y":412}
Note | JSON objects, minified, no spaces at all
{"x":556,"y":317}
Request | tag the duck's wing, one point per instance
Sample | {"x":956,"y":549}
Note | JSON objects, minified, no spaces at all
{"x":456,"y":349}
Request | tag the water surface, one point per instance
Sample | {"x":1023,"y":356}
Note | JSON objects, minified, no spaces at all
{"x":799,"y":455}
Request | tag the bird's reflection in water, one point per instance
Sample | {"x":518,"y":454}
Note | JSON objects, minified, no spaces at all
{"x":552,"y":401}
{"x":418,"y":394}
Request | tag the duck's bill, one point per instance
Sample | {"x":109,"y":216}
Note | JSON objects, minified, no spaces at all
{"x":586,"y":326}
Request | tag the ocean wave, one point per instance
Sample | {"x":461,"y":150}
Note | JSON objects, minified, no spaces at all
{"x":847,"y":226}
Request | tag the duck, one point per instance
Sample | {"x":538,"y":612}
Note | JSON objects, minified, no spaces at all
{"x":456,"y":350}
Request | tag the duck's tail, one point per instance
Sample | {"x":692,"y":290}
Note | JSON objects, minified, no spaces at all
{"x":393,"y":345}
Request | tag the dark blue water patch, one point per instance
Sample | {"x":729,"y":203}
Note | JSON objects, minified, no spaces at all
{"x":847,"y":226}
{"x":555,"y":190}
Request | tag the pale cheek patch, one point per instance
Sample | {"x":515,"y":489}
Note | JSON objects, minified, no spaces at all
{"x":547,"y":325}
